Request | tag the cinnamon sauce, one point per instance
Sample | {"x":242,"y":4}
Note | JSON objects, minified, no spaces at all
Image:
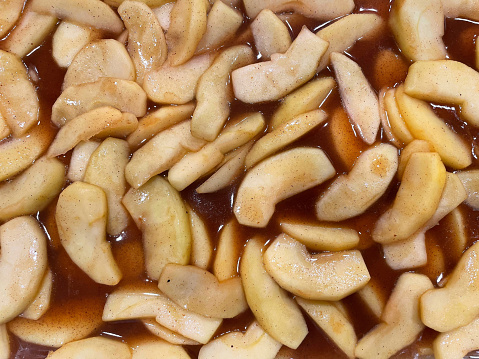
{"x":383,"y":65}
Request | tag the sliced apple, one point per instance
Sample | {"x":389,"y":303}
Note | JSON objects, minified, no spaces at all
{"x":102,"y":58}
{"x":23,"y":263}
{"x":333,"y":322}
{"x":69,"y":38}
{"x":385,"y":124}
{"x":87,"y":12}
{"x":470,"y":180}
{"x":227,"y":256}
{"x":412,"y":147}
{"x":416,"y":201}
{"x":29,"y":33}
{"x":97,"y":347}
{"x":18,"y":99}
{"x":66,"y":321}
{"x":123,"y":95}
{"x":196,"y":164}
{"x":202,"y":245}
{"x":272,"y":80}
{"x":271,"y":35}
{"x":456,"y":343}
{"x":222,"y":23}
{"x":454,"y":305}
{"x":368,"y":180}
{"x":320,"y":237}
{"x":100,"y":122}
{"x":41,"y":303}
{"x":424,"y":124}
{"x":10,"y":12}
{"x":326,"y":276}
{"x":4,"y":342}
{"x":456,"y":84}
{"x":401,"y":323}
{"x":131,"y":303}
{"x":79,"y":160}
{"x":176,"y":84}
{"x":254,"y":343}
{"x":187,"y":26}
{"x":283,"y":135}
{"x":161,"y":153}
{"x":373,"y":296}
{"x":359,"y":99}
{"x":81,"y":216}
{"x":277,"y":178}
{"x":18,"y":153}
{"x":158,"y":349}
{"x":307,"y":98}
{"x":160,"y":214}
{"x":395,"y":119}
{"x":418,"y":27}
{"x":32,"y":190}
{"x":317,"y":9}
{"x":164,"y":333}
{"x":266,"y":299}
{"x":157,"y":121}
{"x":214,"y":93}
{"x":150,"y":3}
{"x":345,"y":32}
{"x":146,"y":44}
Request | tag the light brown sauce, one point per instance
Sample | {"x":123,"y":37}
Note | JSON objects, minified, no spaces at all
{"x":383,"y":65}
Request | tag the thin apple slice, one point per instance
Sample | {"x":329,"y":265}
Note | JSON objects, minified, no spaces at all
{"x":79,"y":160}
{"x":69,"y":38}
{"x":23,"y":263}
{"x":32,"y":190}
{"x":368,"y":180}
{"x":160,"y":214}
{"x":266,"y":299}
{"x":170,"y":336}
{"x":277,"y":178}
{"x":4,"y":342}
{"x":271,"y":35}
{"x":395,"y":119}
{"x":418,"y":27}
{"x":457,"y":84}
{"x":146,"y":44}
{"x":10,"y":12}
{"x":254,"y":343}
{"x":227,"y":252}
{"x":102,"y":58}
{"x":100,"y":122}
{"x":187,"y":26}
{"x":401,"y":323}
{"x":411,"y":148}
{"x":325,"y":276}
{"x":274,"y":79}
{"x":81,"y":215}
{"x":454,"y":305}
{"x":360,"y":101}
{"x":320,"y":237}
{"x":333,"y":322}
{"x":456,"y":343}
{"x":41,"y":303}
{"x":123,"y":95}
{"x":202,"y":245}
{"x":97,"y":347}
{"x":424,"y":124}
{"x":87,"y":12}
{"x":18,"y":99}
{"x":416,"y":201}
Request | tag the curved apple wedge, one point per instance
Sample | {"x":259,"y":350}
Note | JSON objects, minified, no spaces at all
{"x":96,"y":347}
{"x":81,"y":220}
{"x":325,"y":276}
{"x":23,"y":263}
{"x":274,"y":310}
{"x":159,"y":212}
{"x":277,"y":178}
{"x":254,"y":343}
{"x":19,"y":103}
{"x":200,"y":291}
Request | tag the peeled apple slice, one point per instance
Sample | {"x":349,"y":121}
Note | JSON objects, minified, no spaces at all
{"x":96,"y":347}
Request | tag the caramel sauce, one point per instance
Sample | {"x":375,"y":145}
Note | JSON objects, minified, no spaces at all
{"x":383,"y":65}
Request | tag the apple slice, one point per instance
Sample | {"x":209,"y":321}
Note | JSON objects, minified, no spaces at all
{"x":9,"y":13}
{"x":97,"y":347}
{"x":170,"y":336}
{"x":470,"y":180}
{"x":254,"y":343}
{"x":202,"y":245}
{"x":79,"y":160}
{"x":227,"y":252}
{"x":456,"y":343}
{"x":267,"y":299}
{"x":41,"y":303}
{"x":159,"y":212}
{"x":4,"y":342}
{"x":271,"y":35}
{"x":157,"y":349}
{"x":324,"y":276}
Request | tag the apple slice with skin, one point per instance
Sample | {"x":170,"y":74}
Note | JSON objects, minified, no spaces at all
{"x":277,"y":178}
{"x":266,"y":299}
{"x":201,"y":292}
{"x":159,"y":212}
{"x":254,"y":343}
{"x":324,"y":276}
